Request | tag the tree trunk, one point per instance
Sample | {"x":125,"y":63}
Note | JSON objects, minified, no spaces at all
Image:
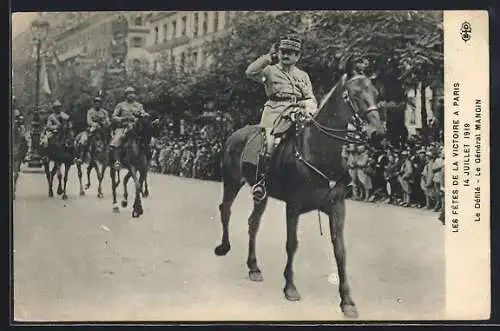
{"x":423,"y":110}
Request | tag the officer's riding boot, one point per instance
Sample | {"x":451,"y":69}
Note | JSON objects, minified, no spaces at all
{"x":259,"y":190}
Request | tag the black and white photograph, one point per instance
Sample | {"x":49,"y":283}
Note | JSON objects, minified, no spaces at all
{"x":230,"y":165}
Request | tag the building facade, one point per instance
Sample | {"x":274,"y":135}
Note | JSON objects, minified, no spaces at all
{"x":178,"y":38}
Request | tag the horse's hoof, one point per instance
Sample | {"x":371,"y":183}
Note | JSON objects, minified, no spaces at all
{"x":116,"y":209}
{"x":349,"y":311}
{"x":51,"y":194}
{"x":82,"y":192}
{"x":291,"y":293}
{"x":64,"y":197}
{"x":222,"y":249}
{"x":135,"y":214}
{"x":124,"y":203}
{"x":59,"y":191}
{"x":87,"y":186}
{"x":146,"y":194}
{"x":255,"y":276}
{"x":100,"y":195}
{"x":139,"y":210}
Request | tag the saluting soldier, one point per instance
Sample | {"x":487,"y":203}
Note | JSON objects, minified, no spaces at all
{"x":286,"y":86}
{"x":124,"y":116}
{"x":97,"y":119}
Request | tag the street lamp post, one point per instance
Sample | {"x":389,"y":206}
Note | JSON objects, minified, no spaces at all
{"x":39,"y":29}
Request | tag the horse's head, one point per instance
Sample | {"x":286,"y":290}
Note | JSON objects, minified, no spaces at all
{"x":361,"y":95}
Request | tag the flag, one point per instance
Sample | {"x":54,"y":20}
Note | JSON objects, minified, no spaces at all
{"x":45,"y":78}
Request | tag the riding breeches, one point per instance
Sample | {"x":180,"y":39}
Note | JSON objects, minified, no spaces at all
{"x":118,"y":135}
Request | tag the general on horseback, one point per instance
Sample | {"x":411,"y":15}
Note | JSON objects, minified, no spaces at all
{"x":300,"y":161}
{"x":288,"y":89}
{"x":94,"y":142}
{"x":129,"y":147}
{"x":57,"y":145}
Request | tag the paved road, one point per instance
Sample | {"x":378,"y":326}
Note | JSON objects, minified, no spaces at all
{"x":75,"y":260}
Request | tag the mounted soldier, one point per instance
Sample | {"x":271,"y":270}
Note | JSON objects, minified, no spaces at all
{"x":288,"y":88}
{"x":97,"y":124}
{"x":124,"y":117}
{"x":57,"y":125}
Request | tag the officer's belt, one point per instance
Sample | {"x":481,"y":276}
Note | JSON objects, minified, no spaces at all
{"x":288,"y":98}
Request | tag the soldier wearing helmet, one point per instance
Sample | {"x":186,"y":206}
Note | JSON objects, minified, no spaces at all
{"x":124,"y":116}
{"x":287,"y":88}
{"x":97,"y":120}
{"x":56,"y":121}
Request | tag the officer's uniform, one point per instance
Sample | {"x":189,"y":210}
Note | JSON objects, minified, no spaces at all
{"x":284,"y":89}
{"x":55,"y":122}
{"x":405,"y":178}
{"x":122,"y":110}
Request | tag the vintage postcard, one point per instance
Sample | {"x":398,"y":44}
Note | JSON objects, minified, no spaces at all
{"x":173,"y":166}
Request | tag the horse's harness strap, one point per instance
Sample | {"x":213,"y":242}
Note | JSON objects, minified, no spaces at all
{"x":331,"y":183}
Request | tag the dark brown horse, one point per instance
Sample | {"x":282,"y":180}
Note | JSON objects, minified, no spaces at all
{"x":134,"y":157}
{"x":98,"y":153}
{"x":61,"y":151}
{"x":307,"y":173}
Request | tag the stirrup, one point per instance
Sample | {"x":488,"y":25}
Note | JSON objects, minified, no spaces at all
{"x":259,"y":191}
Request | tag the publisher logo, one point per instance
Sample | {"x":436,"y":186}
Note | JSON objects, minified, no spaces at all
{"x":465,"y":31}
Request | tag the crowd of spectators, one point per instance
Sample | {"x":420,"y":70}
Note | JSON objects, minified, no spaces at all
{"x":407,"y":173}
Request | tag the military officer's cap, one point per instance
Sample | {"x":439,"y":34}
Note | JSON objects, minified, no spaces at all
{"x":292,"y":43}
{"x":57,"y":103}
{"x":129,"y":90}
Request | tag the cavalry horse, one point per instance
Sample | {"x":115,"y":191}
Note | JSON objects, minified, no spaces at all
{"x":98,"y":153}
{"x":307,"y":173}
{"x":134,"y":157}
{"x":60,"y":150}
{"x":148,"y":132}
{"x":19,"y":151}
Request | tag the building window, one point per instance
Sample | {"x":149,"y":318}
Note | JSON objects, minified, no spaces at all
{"x":138,"y":20}
{"x":184,"y":25}
{"x":174,"y":29}
{"x":156,"y":35}
{"x":196,"y":22}
{"x":136,"y":42}
{"x":216,"y":21}
{"x":165,"y":32}
{"x":195,"y":58}
{"x":205,"y":23}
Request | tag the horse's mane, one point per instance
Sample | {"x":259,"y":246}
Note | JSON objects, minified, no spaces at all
{"x":330,"y":93}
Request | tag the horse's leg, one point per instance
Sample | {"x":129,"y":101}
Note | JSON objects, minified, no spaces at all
{"x":112,"y":173}
{"x":231,"y":189}
{"x":100,"y":176}
{"x":89,"y":171}
{"x":125,"y":191}
{"x":337,"y":218}
{"x":137,"y":207}
{"x":59,"y":179}
{"x":49,"y":175}
{"x":67,"y":167}
{"x":146,"y":189}
{"x":292,"y":219}
{"x":80,"y":173}
{"x":254,"y":272}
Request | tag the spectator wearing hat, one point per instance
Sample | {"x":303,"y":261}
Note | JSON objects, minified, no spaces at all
{"x":362,"y":173}
{"x":426,"y":182}
{"x":406,"y":177}
{"x":418,"y":160}
{"x":438,"y":173}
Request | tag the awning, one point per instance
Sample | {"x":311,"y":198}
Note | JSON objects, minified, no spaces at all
{"x":71,"y":54}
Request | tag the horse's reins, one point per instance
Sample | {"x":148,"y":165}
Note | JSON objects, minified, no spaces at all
{"x":329,"y":132}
